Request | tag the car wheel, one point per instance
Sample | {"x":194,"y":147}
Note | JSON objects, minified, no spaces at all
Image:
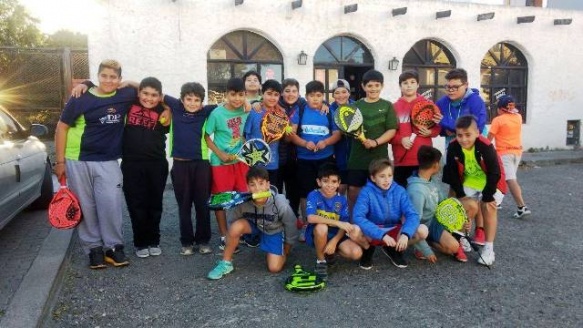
{"x":46,"y":190}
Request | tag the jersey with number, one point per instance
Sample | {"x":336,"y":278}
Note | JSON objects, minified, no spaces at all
{"x":334,"y":208}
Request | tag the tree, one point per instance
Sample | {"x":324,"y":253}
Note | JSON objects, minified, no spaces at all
{"x":66,"y":38}
{"x":17,"y":27}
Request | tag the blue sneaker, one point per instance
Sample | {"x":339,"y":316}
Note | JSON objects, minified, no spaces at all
{"x":222,"y":268}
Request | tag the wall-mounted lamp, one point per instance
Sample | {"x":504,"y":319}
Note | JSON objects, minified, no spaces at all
{"x":399,"y":11}
{"x":393,"y":64}
{"x":239,"y":2}
{"x":524,"y":19}
{"x":302,"y":58}
{"x":486,"y":16}
{"x":351,"y":8}
{"x":296,"y":4}
{"x":564,"y":21}
{"x":442,"y":14}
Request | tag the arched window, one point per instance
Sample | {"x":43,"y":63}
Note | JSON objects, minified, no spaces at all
{"x":432,"y":60}
{"x":236,"y":53}
{"x":342,"y":57}
{"x":504,"y":70}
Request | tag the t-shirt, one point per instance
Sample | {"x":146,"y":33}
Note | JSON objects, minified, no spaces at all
{"x":96,"y":124}
{"x":507,"y":131}
{"x":315,"y":127}
{"x":253,"y":130}
{"x":334,"y":208}
{"x":187,"y":131}
{"x":378,"y":117}
{"x":226,"y":126}
{"x":474,"y":176}
{"x":144,"y":138}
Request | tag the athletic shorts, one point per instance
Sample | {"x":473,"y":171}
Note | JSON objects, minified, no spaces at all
{"x":356,"y":178}
{"x":477,"y":195}
{"x":269,"y":243}
{"x":229,"y":178}
{"x":393,"y":232}
{"x":308,"y":172}
{"x":435,"y":231}
{"x":511,"y":163}
{"x":331,"y":234}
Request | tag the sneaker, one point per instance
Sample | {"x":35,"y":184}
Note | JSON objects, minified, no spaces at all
{"x":186,"y":250}
{"x":302,"y":237}
{"x":155,"y":250}
{"x":142,"y":252}
{"x":460,"y":255}
{"x":396,"y":257}
{"x":251,"y":241}
{"x":222,"y":268}
{"x":366,"y":259}
{"x":205,"y":249}
{"x":96,"y":258}
{"x":499,"y":206}
{"x":487,"y":257}
{"x":419,"y":255}
{"x":116,"y":256}
{"x":480,"y":237}
{"x":522,"y":212}
{"x":465,"y":244}
{"x":224,"y":243}
{"x":321,"y":269}
{"x":330,"y":259}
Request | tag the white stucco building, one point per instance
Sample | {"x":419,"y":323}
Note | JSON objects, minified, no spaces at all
{"x":208,"y":41}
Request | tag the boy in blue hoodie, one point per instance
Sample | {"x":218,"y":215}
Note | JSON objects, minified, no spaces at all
{"x":426,"y":194}
{"x":386,"y":216}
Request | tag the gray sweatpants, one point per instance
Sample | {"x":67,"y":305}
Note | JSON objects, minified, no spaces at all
{"x":98,"y":185}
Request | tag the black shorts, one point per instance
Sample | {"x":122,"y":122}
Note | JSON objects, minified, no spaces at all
{"x":357,"y":178}
{"x":308,"y":172}
{"x":402,"y":173}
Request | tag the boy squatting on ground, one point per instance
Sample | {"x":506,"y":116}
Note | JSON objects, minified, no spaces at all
{"x":384,"y":213}
{"x":426,"y":194}
{"x":226,"y":124}
{"x":474,"y":173}
{"x":506,"y":131}
{"x":380,"y":126}
{"x":272,"y":218}
{"x":329,"y":225}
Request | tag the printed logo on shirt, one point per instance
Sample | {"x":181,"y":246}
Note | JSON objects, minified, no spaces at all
{"x":317,"y":130}
{"x":328,"y":215}
{"x":235,"y":125}
{"x":405,"y":119}
{"x":142,"y":117}
{"x":111,"y":117}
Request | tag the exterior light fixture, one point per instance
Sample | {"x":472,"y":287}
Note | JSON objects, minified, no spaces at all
{"x":524,"y":19}
{"x":302,"y":58}
{"x":485,"y":16}
{"x":239,"y":2}
{"x":351,"y":8}
{"x":393,"y":64}
{"x":564,"y":21}
{"x":442,"y":14}
{"x":399,"y":11}
{"x":296,"y":4}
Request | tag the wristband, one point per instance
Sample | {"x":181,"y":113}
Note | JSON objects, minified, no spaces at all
{"x":375,"y":140}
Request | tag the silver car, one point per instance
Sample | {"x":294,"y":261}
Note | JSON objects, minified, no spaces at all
{"x":25,"y":169}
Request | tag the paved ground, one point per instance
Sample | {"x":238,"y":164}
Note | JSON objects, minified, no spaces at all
{"x":536,"y":281}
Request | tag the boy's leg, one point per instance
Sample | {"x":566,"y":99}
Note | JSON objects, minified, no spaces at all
{"x":516,"y":192}
{"x":490,"y":220}
{"x":356,"y":179}
{"x":135,"y":189}
{"x":202,"y":187}
{"x":183,"y":183}
{"x":292,"y":192}
{"x":108,"y":199}
{"x":158,"y":175}
{"x":420,"y":234}
{"x":276,"y":251}
{"x":234,"y":233}
{"x":349,"y":250}
{"x":447,"y":244}
{"x":221,"y":222}
{"x":320,"y":234}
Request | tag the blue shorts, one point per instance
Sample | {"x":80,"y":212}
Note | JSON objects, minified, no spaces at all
{"x":331,"y":233}
{"x":269,"y":243}
{"x":435,"y":231}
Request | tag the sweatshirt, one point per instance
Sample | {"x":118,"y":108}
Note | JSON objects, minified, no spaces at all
{"x":471,"y":104}
{"x":425,"y":195}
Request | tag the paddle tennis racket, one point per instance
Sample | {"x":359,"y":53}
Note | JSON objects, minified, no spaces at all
{"x":274,"y":125}
{"x":253,"y":152}
{"x":303,"y":281}
{"x":229,"y":199}
{"x":64,"y":209}
{"x":422,"y":114}
{"x":349,"y":120}
{"x":451,"y":214}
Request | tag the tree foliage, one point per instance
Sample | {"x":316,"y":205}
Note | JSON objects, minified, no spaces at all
{"x":17,"y":27}
{"x":66,"y":38}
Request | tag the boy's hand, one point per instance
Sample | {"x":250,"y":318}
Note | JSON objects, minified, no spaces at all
{"x":225,"y":157}
{"x":60,"y":170}
{"x":256,"y":107}
{"x":424,"y":132}
{"x":78,"y":90}
{"x":406,"y":142}
{"x":368,"y":144}
{"x":330,"y":247}
{"x":347,"y":227}
{"x":402,"y":243}
{"x":467,"y":226}
{"x":437,"y":118}
{"x":247,"y":107}
{"x":321,"y":145}
{"x":389,"y":241}
{"x":432,"y":258}
{"x":311,"y":146}
{"x":325,"y":109}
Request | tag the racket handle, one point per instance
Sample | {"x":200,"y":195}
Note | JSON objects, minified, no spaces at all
{"x":263,"y":194}
{"x":412,"y":137}
{"x":63,"y":181}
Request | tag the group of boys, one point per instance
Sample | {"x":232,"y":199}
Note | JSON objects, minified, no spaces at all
{"x":383,"y":213}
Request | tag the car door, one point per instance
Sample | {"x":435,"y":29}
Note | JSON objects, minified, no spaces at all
{"x":9,"y":170}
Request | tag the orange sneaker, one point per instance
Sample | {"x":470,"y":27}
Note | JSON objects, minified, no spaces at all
{"x":460,"y":255}
{"x":480,"y":236}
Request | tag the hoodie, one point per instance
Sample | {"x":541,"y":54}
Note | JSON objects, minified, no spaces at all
{"x":425,"y":195}
{"x":404,"y":157}
{"x":471,"y":104}
{"x":376,"y":208}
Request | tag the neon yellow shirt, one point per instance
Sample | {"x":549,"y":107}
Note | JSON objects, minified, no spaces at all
{"x":474,"y":176}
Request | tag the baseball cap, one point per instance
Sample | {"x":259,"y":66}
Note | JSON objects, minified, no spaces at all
{"x":341,"y":83}
{"x":503,"y":104}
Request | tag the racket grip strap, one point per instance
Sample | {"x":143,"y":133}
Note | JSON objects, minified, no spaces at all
{"x":263,"y":194}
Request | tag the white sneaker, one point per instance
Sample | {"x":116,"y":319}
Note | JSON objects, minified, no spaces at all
{"x":302,"y":236}
{"x":465,"y":245}
{"x":155,"y":250}
{"x":186,"y":250}
{"x":487,"y":257}
{"x":522,"y":212}
{"x":205,"y":249}
{"x":142,"y":253}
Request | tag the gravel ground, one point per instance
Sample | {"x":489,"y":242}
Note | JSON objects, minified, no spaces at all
{"x":535,"y":282}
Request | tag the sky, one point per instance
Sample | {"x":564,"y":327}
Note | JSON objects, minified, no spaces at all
{"x":72,"y":15}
